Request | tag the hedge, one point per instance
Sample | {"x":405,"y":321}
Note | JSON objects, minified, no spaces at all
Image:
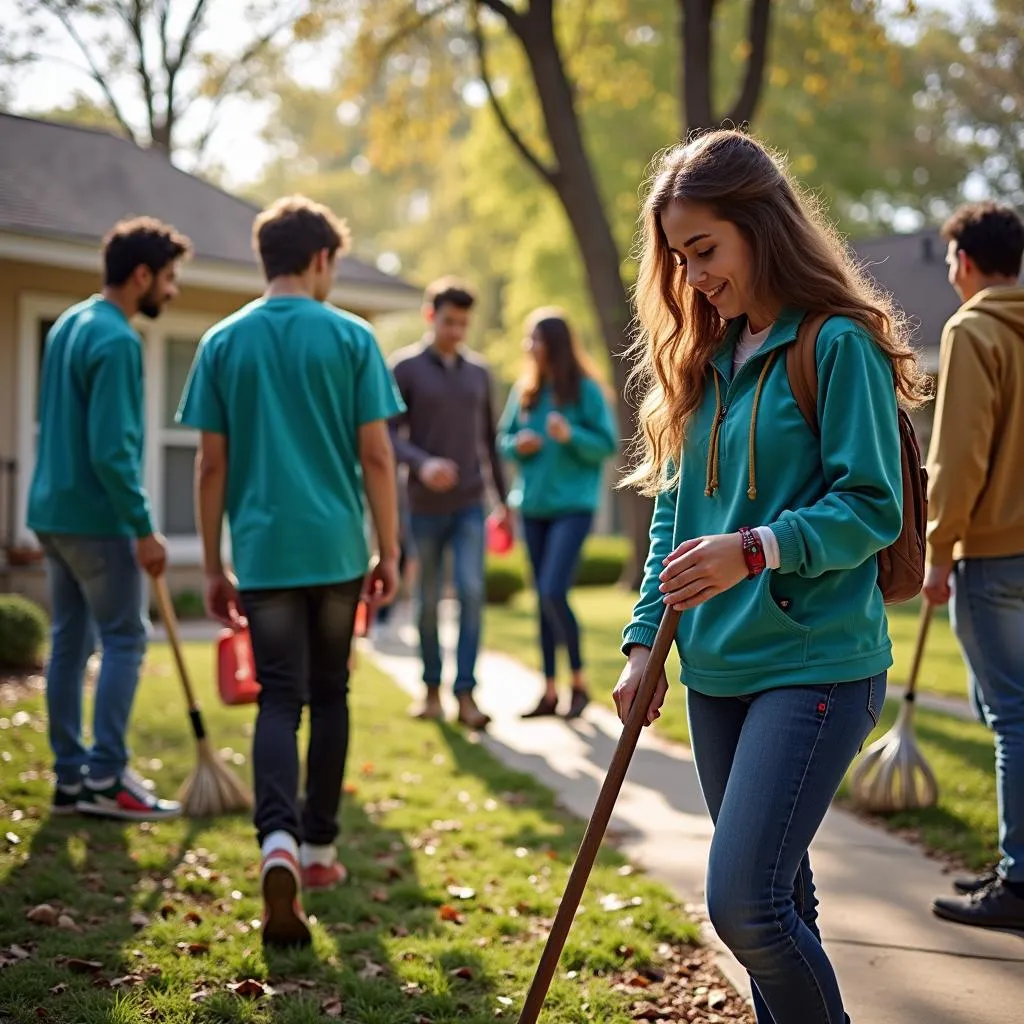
{"x":24,"y":628}
{"x":601,"y":565}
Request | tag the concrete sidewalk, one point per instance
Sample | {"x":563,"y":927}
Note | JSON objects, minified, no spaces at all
{"x":897,"y":963}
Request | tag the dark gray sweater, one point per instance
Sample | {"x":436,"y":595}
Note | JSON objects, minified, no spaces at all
{"x":450,"y":415}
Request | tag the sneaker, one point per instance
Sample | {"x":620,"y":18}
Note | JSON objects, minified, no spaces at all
{"x":580,"y":700}
{"x":65,"y":799}
{"x":126,"y":798}
{"x":284,"y":922}
{"x":995,"y":906}
{"x":969,"y":885}
{"x":320,"y":867}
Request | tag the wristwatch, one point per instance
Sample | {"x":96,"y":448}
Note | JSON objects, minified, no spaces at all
{"x":753,"y":552}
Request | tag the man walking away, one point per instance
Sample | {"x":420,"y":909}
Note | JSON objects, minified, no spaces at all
{"x":293,"y":398}
{"x":976,"y":527}
{"x":444,"y":437}
{"x":88,"y":506}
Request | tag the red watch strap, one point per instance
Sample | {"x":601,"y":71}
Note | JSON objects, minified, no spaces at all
{"x":753,"y":552}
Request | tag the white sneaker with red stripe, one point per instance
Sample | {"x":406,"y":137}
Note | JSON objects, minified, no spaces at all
{"x":284,"y":921}
{"x":126,"y":797}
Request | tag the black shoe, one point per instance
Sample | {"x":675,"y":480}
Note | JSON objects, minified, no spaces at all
{"x":544,"y":709}
{"x":967,"y":885}
{"x":992,"y":907}
{"x":580,"y":700}
{"x":65,"y":799}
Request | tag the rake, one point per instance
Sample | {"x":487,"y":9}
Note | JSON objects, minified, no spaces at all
{"x":599,"y":820}
{"x":211,"y":789}
{"x":893,"y":774}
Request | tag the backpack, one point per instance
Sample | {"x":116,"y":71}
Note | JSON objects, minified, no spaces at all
{"x":901,"y":565}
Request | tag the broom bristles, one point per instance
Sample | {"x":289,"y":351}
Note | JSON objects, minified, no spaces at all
{"x":893,"y":774}
{"x":212,"y":789}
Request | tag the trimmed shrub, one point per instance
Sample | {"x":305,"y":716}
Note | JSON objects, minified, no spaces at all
{"x":24,"y":628}
{"x":504,"y":577}
{"x":602,"y":561}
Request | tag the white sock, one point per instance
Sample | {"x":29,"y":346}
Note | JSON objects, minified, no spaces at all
{"x":280,"y":840}
{"x":325,"y":856}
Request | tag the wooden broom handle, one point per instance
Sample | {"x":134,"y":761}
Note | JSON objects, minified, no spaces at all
{"x":927,"y":610}
{"x":163,"y":600}
{"x":599,"y":819}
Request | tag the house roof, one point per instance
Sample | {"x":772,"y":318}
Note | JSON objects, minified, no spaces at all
{"x":73,"y":183}
{"x":912,"y":268}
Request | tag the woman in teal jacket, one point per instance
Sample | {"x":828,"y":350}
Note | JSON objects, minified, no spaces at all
{"x":558,"y":428}
{"x":763,"y":536}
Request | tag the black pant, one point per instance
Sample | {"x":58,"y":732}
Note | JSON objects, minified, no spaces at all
{"x":301,"y":640}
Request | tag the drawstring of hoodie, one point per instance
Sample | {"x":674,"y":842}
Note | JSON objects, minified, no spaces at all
{"x":711,"y":478}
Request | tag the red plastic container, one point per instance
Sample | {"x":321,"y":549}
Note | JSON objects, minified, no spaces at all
{"x":499,"y":536}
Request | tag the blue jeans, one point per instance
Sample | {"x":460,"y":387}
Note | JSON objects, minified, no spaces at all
{"x":96,"y":592}
{"x":554,"y":546}
{"x":301,"y":641}
{"x":769,"y":765}
{"x":987,"y":613}
{"x":463,"y":532}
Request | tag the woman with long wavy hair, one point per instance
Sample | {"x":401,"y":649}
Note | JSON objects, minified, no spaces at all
{"x":559,"y":430}
{"x":764,"y":536}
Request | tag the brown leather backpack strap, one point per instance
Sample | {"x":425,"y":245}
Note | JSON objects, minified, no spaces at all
{"x":802,"y":368}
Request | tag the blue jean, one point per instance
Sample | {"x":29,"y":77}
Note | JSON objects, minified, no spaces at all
{"x":554,"y":546}
{"x":463,"y":532}
{"x":301,"y":641}
{"x":769,"y":765}
{"x":987,"y":613}
{"x":96,"y":593}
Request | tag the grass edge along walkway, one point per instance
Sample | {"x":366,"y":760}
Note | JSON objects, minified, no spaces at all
{"x":964,"y":825}
{"x":456,"y":861}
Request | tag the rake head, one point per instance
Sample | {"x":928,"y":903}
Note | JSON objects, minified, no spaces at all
{"x":212,"y":789}
{"x":893,"y":774}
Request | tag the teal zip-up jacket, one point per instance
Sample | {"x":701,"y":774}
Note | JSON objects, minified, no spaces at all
{"x":750,"y":459}
{"x":88,"y":475}
{"x":559,"y":479}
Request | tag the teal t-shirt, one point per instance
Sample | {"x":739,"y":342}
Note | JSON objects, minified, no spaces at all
{"x":290,"y":381}
{"x":559,"y":479}
{"x":88,"y":473}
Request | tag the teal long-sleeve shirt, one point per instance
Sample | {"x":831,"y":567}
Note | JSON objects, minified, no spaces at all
{"x":832,"y":505}
{"x":88,"y":473}
{"x":559,"y":479}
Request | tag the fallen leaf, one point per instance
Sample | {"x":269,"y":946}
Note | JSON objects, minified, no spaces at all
{"x":650,"y":1011}
{"x":67,"y":922}
{"x":13,"y":840}
{"x":613,"y":902}
{"x":638,"y":981}
{"x":449,"y":913}
{"x":465,"y":973}
{"x":504,"y":1000}
{"x":128,"y":981}
{"x":380,"y":895}
{"x":193,"y":918}
{"x":200,"y":995}
{"x":367,"y":768}
{"x":717,"y":999}
{"x":59,"y":990}
{"x":138,"y":919}
{"x":193,"y":948}
{"x":332,"y":1008}
{"x":351,"y":788}
{"x":250,"y":988}
{"x":18,"y":953}
{"x":400,"y":931}
{"x":371,"y":969}
{"x":168,"y":910}
{"x":411,"y":989}
{"x":83,"y":966}
{"x":43,"y":914}
{"x":461,"y":892}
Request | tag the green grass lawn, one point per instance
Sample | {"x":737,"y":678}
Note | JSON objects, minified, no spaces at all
{"x":456,"y":862}
{"x":963,"y":824}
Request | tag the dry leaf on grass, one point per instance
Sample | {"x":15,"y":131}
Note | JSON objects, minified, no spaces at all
{"x":83,"y":966}
{"x":128,"y":981}
{"x":59,"y":990}
{"x":380,"y":895}
{"x":138,"y":919}
{"x":465,"y":973}
{"x":332,"y":1008}
{"x":250,"y":988}
{"x":193,"y":918}
{"x":461,"y":892}
{"x":200,"y":995}
{"x":371,"y":969}
{"x":193,"y":948}
{"x":613,"y":902}
{"x":16,"y":952}
{"x":449,"y":913}
{"x":67,"y":922}
{"x":43,"y":914}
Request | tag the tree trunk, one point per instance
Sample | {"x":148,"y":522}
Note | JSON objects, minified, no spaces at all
{"x":576,"y":185}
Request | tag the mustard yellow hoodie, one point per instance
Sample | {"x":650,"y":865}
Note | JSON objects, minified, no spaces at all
{"x":976,"y":457}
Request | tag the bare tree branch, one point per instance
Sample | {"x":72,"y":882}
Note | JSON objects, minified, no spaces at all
{"x":163,"y":16}
{"x":515,"y":21}
{"x":135,"y":26}
{"x":548,"y":174}
{"x":64,"y":17}
{"x":188,"y":37}
{"x":758,"y":35}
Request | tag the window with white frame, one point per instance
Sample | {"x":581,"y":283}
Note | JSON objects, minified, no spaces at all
{"x":177,"y":444}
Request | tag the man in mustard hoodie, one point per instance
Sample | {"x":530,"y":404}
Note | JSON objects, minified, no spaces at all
{"x":976,"y":521}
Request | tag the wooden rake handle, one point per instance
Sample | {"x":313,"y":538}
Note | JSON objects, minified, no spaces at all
{"x":927,"y":611}
{"x":599,"y":819}
{"x":170,"y":620}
